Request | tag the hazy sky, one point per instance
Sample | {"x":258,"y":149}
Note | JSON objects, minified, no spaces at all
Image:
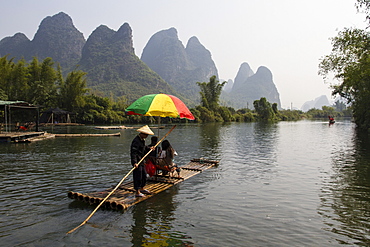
{"x":287,"y":36}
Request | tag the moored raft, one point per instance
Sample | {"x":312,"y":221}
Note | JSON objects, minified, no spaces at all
{"x":26,"y":136}
{"x":124,"y":196}
{"x":113,"y":127}
{"x":37,"y":138}
{"x":87,"y":135}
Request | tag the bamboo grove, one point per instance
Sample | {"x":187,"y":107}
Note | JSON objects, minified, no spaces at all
{"x":43,"y":84}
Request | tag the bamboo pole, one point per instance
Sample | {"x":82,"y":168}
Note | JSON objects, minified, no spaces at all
{"x":119,"y":184}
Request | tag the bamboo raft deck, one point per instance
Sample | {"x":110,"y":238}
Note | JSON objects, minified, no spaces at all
{"x":24,"y":136}
{"x":122,"y":127}
{"x":61,"y":124}
{"x":87,"y":135}
{"x":124,"y":196}
{"x":37,"y":138}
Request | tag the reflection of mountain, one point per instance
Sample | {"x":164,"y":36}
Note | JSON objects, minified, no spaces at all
{"x":345,"y":194}
{"x":153,"y":222}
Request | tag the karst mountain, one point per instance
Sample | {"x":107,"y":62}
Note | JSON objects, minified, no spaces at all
{"x":113,"y":69}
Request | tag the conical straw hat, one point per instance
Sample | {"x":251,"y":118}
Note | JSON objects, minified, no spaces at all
{"x":146,"y":130}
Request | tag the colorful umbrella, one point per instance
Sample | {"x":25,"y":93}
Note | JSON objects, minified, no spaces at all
{"x":162,"y":105}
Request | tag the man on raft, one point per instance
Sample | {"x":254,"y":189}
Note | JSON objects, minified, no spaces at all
{"x":137,"y":152}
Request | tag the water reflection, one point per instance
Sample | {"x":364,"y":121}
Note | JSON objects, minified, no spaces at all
{"x":210,"y":139}
{"x":288,"y":184}
{"x":252,"y":147}
{"x":345,"y":198}
{"x":266,"y":139}
{"x":152,"y":222}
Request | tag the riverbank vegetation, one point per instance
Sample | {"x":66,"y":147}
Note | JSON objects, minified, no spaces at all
{"x":210,"y":109}
{"x":42,"y":84}
{"x":349,"y":63}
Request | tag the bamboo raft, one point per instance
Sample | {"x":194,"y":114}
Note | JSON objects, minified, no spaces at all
{"x":124,"y":196}
{"x":89,"y":135}
{"x":124,"y":127}
{"x":113,"y":127}
{"x":36,"y":138}
{"x":61,"y":124}
{"x":26,"y":136}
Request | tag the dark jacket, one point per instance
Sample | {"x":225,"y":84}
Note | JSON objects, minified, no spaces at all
{"x":137,"y":150}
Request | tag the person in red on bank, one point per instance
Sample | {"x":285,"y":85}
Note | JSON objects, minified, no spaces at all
{"x":137,"y":152}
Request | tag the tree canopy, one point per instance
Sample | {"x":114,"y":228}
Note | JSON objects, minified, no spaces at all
{"x":349,"y":62}
{"x":210,"y":93}
{"x":42,"y":83}
{"x":264,"y":109}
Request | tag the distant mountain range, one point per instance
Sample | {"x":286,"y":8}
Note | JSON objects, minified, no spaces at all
{"x":112,"y":67}
{"x":249,"y":86}
{"x":56,"y":37}
{"x":317,"y":103}
{"x":107,"y":56}
{"x":181,"y":67}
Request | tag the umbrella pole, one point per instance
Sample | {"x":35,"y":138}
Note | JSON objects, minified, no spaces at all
{"x":119,"y":184}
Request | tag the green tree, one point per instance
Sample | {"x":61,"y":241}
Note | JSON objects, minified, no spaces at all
{"x":41,"y":86}
{"x":349,"y":61}
{"x":364,"y":6}
{"x":6,"y":67}
{"x":291,"y":115}
{"x":73,"y":90}
{"x":34,"y":70}
{"x":206,"y":115}
{"x":210,"y":93}
{"x":18,"y":83}
{"x":264,"y":109}
{"x":275,"y":108}
{"x":3,"y":95}
{"x":339,"y":106}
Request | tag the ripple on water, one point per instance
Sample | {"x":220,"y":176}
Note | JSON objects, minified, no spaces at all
{"x":288,"y":184}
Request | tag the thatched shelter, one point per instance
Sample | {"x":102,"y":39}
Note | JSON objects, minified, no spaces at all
{"x":56,"y":116}
{"x":9,"y":106}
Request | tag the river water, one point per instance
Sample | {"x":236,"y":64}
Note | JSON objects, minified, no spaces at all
{"x":285,"y":184}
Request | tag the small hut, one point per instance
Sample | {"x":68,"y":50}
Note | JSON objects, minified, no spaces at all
{"x":56,"y":116}
{"x":9,"y":106}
